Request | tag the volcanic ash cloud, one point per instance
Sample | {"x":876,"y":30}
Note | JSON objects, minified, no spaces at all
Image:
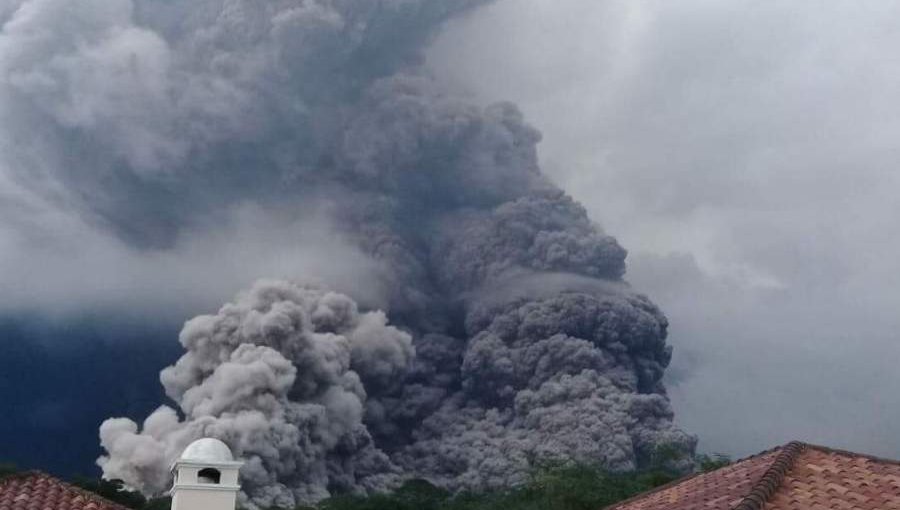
{"x":506,"y":336}
{"x":280,"y":374}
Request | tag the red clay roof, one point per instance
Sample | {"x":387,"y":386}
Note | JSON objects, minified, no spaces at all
{"x":795,"y":476}
{"x":39,"y":491}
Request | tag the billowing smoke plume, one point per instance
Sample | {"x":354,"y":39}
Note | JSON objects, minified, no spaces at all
{"x":282,"y":374}
{"x":513,"y":338}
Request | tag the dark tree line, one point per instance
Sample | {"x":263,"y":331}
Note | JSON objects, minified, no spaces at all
{"x":115,"y":490}
{"x":559,"y":487}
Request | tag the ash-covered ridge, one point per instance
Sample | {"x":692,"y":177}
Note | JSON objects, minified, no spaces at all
{"x":504,"y":334}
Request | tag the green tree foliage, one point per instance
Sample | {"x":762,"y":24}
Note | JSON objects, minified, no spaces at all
{"x":550,"y":487}
{"x":412,"y":495}
{"x":563,"y":487}
{"x":7,"y":468}
{"x":706,"y":463}
{"x":113,"y":490}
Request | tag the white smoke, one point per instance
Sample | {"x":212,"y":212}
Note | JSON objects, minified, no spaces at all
{"x":279,"y":374}
{"x":152,"y":122}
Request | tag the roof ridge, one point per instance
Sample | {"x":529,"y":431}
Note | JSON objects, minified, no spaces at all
{"x":685,"y":478}
{"x":772,"y":478}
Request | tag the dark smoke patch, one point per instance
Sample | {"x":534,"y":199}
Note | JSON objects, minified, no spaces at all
{"x":576,"y":377}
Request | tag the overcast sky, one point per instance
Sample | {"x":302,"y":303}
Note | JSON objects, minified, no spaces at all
{"x":746,"y":154}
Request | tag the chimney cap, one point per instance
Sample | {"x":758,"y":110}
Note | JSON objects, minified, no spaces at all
{"x":207,"y":450}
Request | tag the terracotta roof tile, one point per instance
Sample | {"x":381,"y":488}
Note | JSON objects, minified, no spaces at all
{"x":721,"y":489}
{"x":795,"y":476}
{"x":39,"y":491}
{"x":827,"y":478}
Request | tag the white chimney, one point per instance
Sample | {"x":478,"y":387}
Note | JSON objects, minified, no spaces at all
{"x":206,"y":477}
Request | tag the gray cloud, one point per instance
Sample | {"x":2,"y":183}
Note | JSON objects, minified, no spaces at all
{"x":155,"y":157}
{"x":63,"y":267}
{"x":186,"y":148}
{"x":743,"y":152}
{"x":280,"y":375}
{"x":160,"y":149}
